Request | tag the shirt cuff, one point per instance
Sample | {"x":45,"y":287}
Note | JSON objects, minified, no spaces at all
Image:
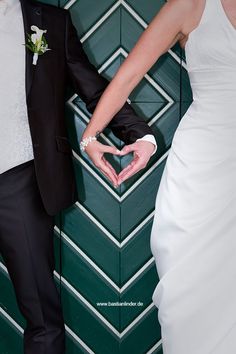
{"x":150,"y":138}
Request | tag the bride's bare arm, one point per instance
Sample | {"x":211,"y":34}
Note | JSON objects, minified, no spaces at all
{"x":163,"y":32}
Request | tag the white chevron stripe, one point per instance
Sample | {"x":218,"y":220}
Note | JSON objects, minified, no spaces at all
{"x":144,"y":176}
{"x":82,"y":115}
{"x":137,"y":274}
{"x":155,"y":347}
{"x":132,"y":12}
{"x":153,"y":120}
{"x":101,"y":21}
{"x":87,"y":304}
{"x":21,"y":330}
{"x":4,"y":268}
{"x":69,"y":4}
{"x":99,"y":315}
{"x":75,"y":336}
{"x":124,"y":53}
{"x":97,"y":177}
{"x":88,"y":259}
{"x":108,"y":188}
{"x":108,"y":234}
{"x":160,"y":90}
{"x":177,"y":58}
{"x":137,"y":319}
{"x":79,"y":340}
{"x":151,"y":81}
{"x":78,"y":250}
{"x":75,"y":108}
{"x":145,"y":25}
{"x":11,"y":320}
{"x":98,"y":224}
{"x":110,"y":60}
{"x":160,"y":114}
{"x":137,"y":229}
{"x":95,"y":311}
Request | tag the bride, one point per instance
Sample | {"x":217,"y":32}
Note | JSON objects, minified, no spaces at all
{"x":193,"y":236}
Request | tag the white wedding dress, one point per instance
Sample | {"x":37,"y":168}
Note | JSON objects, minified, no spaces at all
{"x":193,"y":237}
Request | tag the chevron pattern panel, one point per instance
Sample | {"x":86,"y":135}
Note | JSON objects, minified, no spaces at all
{"x":105,"y":271}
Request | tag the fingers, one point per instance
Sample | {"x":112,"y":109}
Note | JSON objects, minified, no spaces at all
{"x":127,"y":168}
{"x":128,"y":148}
{"x":104,"y":166}
{"x":96,"y":147}
{"x":109,"y":174}
{"x":142,"y":153}
{"x":109,"y":149}
{"x":95,"y":152}
{"x":130,"y":171}
{"x":110,"y":167}
{"x":135,"y":166}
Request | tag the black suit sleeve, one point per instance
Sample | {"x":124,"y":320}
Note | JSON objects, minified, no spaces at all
{"x":89,"y":85}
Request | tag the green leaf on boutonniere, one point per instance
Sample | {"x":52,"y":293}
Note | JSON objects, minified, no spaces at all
{"x":37,"y":43}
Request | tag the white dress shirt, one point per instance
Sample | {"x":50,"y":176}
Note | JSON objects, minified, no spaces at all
{"x":15,"y":138}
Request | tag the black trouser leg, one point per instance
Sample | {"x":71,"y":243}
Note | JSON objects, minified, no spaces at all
{"x":26,"y":244}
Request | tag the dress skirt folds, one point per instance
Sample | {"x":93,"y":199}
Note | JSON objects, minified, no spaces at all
{"x":193,"y":237}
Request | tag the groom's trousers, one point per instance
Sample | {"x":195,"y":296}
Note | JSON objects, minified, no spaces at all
{"x":26,"y":245}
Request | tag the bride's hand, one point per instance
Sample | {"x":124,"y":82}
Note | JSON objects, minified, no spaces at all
{"x":142,"y":151}
{"x":95,"y":150}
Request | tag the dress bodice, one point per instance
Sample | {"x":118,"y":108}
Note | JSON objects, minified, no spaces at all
{"x":211,"y":55}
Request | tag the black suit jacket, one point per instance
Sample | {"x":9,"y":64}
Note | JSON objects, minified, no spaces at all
{"x":45,"y":92}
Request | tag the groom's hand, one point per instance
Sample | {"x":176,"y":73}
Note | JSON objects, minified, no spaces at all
{"x":96,"y":151}
{"x":142,"y":151}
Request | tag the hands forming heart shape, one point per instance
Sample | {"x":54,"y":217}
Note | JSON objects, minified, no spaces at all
{"x":142,"y":151}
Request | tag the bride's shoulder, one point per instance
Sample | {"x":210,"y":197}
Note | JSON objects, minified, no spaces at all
{"x":188,"y":11}
{"x":185,"y":5}
{"x":183,"y":8}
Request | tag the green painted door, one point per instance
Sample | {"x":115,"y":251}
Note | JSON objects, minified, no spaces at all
{"x":105,"y":271}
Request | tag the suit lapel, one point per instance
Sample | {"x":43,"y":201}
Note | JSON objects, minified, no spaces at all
{"x":32,"y":15}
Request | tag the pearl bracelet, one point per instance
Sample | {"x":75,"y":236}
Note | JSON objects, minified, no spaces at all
{"x":84,"y":143}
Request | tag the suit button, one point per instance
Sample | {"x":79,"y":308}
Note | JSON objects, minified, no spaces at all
{"x":35,"y":145}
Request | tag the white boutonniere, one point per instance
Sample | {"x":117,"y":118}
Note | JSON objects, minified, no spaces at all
{"x":37,"y":43}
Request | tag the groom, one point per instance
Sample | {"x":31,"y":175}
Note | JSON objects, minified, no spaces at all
{"x":36,"y":171}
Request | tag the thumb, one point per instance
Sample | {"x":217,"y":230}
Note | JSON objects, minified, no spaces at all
{"x":111,"y":150}
{"x":127,"y":149}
